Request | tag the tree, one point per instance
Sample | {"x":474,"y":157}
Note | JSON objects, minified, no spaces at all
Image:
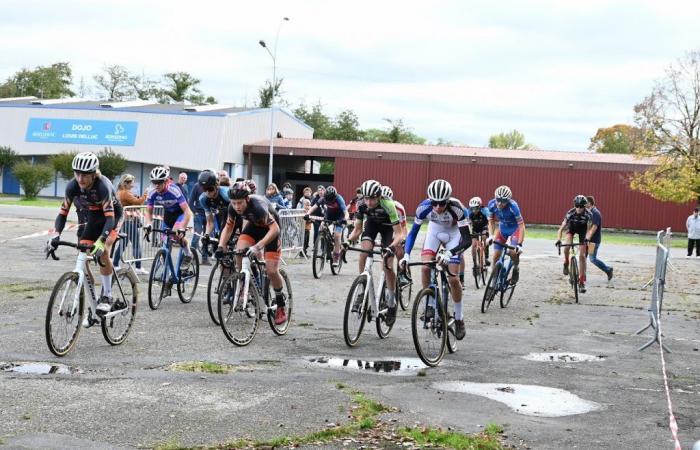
{"x":669,"y":120}
{"x":267,"y":92}
{"x":514,"y":140}
{"x":619,"y":138}
{"x":346,"y":127}
{"x":396,"y":133}
{"x":33,"y":178}
{"x":63,"y":164}
{"x":43,"y":82}
{"x":316,"y":119}
{"x":144,"y":88}
{"x":8,"y":157}
{"x":112,"y":164}
{"x":116,"y":83}
{"x":179,"y":87}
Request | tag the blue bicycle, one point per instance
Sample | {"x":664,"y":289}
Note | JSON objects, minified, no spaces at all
{"x":500,"y":280}
{"x":163,"y":274}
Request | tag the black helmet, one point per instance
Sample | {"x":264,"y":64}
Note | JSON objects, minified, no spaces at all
{"x":580,"y":201}
{"x":330,"y":194}
{"x":238,"y":191}
{"x":207,"y":179}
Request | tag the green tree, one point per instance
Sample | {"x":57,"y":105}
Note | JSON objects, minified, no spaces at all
{"x":316,"y":119}
{"x":63,"y":164}
{"x":396,"y":132}
{"x":619,"y":138}
{"x":346,"y":127}
{"x":514,"y":140}
{"x":116,"y":83}
{"x":327,"y":167}
{"x":8,"y":157}
{"x":112,"y":164}
{"x":33,"y":177}
{"x":669,"y":120}
{"x":267,"y":92}
{"x":43,"y":82}
{"x":144,"y":88}
{"x":179,"y":87}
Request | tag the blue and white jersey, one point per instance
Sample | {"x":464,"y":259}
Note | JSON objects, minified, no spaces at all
{"x":509,"y":216}
{"x":171,"y":199}
{"x":453,"y":216}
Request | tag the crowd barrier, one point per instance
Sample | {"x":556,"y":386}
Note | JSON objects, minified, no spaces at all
{"x":658,"y":282}
{"x":135,"y":247}
{"x":291,"y":229}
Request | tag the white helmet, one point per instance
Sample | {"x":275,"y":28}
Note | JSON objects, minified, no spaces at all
{"x":371,"y":188}
{"x":387,"y":192}
{"x":475,"y":202}
{"x":86,"y":162}
{"x":439,"y":190}
{"x":503,"y":192}
{"x":160,"y":173}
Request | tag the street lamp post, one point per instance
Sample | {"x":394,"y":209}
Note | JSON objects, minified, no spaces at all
{"x":273,"y":55}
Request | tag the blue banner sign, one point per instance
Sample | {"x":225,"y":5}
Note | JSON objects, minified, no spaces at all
{"x":76,"y":131}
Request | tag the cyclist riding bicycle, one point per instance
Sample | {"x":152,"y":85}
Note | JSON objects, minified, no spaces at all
{"x":354,"y":203}
{"x":447,"y":226}
{"x":261,"y":231}
{"x":335,"y":210}
{"x":94,"y":197}
{"x":176,"y":211}
{"x":479,"y":223}
{"x":215,"y":201}
{"x":506,"y":212}
{"x":379,"y":216}
{"x":578,"y":220}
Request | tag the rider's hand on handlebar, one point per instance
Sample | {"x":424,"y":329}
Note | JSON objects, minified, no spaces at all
{"x":346,"y":244}
{"x":387,"y":252}
{"x":181,"y":232}
{"x":98,"y":249}
{"x":307,"y":218}
{"x":53,"y":242}
{"x":444,"y":257}
{"x":489,"y":241}
{"x":558,"y":243}
{"x":253,"y":250}
{"x":147,"y":228}
{"x":219,"y":253}
{"x":405,"y":260}
{"x":518,"y":249}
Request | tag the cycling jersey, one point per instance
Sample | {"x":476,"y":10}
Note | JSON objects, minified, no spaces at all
{"x":449,"y":228}
{"x":401,"y":211}
{"x":217,"y":206}
{"x":259,"y":215}
{"x":97,"y":205}
{"x":578,"y":223}
{"x":479,"y":220}
{"x":173,"y":202}
{"x":508,"y":217}
{"x":334,"y":210}
{"x":383,"y":214}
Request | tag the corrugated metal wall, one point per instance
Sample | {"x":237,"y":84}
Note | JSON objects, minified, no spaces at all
{"x":544,"y":194}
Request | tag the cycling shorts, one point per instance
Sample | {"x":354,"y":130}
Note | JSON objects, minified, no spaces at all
{"x":174,"y":220}
{"x":94,"y":224}
{"x":580,"y":232}
{"x":252,"y":234}
{"x":502,"y":235}
{"x":439,"y":234}
{"x":372,"y":229}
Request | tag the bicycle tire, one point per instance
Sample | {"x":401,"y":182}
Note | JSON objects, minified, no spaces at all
{"x":159,"y":270}
{"x":280,"y":330}
{"x":188,"y":279}
{"x":434,"y":329}
{"x":231,"y":313}
{"x":352,"y":336}
{"x":383,"y":329}
{"x":451,"y":340}
{"x":404,"y":293}
{"x":71,"y":319}
{"x":212,"y":297}
{"x":507,"y":288}
{"x":116,"y":329}
{"x":335,"y":270}
{"x":482,"y":265}
{"x":319,"y":256}
{"x":573,"y":276}
{"x":490,"y":290}
{"x":476,"y":269}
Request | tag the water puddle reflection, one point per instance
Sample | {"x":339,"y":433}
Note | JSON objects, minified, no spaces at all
{"x":37,"y":368}
{"x":402,"y":366}
{"x":564,"y":357}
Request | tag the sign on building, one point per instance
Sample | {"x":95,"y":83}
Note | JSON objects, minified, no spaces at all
{"x":76,"y":131}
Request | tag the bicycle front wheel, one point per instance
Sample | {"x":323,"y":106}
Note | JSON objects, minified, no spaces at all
{"x":157,"y":280}
{"x":335,"y":268}
{"x":238,"y":315}
{"x":64,"y":314}
{"x":383,"y":329}
{"x":428,"y":327}
{"x":213,"y":285}
{"x":573,"y":276}
{"x":280,"y":329}
{"x":356,"y":307}
{"x":117,"y":324}
{"x":507,"y":289}
{"x":188,"y":279}
{"x":319,"y":259}
{"x":404,"y":292}
{"x":491,"y":287}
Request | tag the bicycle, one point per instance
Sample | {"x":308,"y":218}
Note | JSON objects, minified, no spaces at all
{"x":432,"y":334}
{"x":245,"y":298}
{"x":323,"y":247}
{"x":216,"y":277}
{"x":163,"y":274}
{"x":573,"y":266}
{"x":68,"y":299}
{"x":403,"y":291}
{"x":500,"y":280}
{"x":363,"y":303}
{"x":479,"y":269}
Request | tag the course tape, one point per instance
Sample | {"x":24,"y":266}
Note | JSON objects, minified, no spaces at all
{"x":41,"y":233}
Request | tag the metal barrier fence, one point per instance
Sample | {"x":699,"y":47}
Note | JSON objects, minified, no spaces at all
{"x":135,"y":247}
{"x":663,"y":248}
{"x":291,"y":229}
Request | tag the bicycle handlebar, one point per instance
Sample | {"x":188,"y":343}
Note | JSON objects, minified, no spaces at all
{"x":52,"y":247}
{"x":433,"y":263}
{"x":559,"y":246}
{"x":384,"y":254}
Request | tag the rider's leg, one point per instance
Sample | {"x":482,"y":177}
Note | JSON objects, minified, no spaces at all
{"x":390,"y":278}
{"x":336,"y":243}
{"x":455,"y":290}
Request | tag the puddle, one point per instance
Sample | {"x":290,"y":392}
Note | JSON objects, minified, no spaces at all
{"x":402,"y":366}
{"x":564,"y":357}
{"x":524,"y":399}
{"x":37,"y":368}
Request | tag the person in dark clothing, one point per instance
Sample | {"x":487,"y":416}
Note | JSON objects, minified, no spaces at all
{"x":594,"y":245}
{"x":182,"y":184}
{"x":318,"y":195}
{"x":200,"y":221}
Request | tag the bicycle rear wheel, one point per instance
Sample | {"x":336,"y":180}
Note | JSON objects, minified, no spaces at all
{"x":239,"y":322}
{"x":279,"y":330}
{"x":188,"y":279}
{"x":428,"y":327}
{"x":63,"y":315}
{"x":116,"y":328}
{"x":404,"y":292}
{"x":476,"y":269}
{"x":383,"y":329}
{"x":507,"y":288}
{"x":319,"y":256}
{"x":573,"y":276}
{"x":449,"y":313}
{"x":491,"y":285}
{"x":216,"y":277}
{"x":157,"y":280}
{"x":356,"y":307}
{"x":335,"y":269}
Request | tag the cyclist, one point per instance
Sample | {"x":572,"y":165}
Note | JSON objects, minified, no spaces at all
{"x":401,"y":211}
{"x":176,"y":211}
{"x":447,"y":225}
{"x":479,"y":221}
{"x":354,"y":203}
{"x":96,"y":194}
{"x":261,"y":231}
{"x":379,"y":216}
{"x":333,"y":206}
{"x":214,"y":201}
{"x":578,"y":220}
{"x":506,"y":212}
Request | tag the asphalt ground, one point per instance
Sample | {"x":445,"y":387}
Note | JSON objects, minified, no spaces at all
{"x":127,"y":396}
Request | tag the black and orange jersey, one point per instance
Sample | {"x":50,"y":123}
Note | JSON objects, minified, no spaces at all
{"x":99,"y":200}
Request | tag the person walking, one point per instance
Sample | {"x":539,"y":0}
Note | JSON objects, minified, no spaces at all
{"x":693,"y":227}
{"x":182,"y":184}
{"x":305,"y":204}
{"x":132,"y":222}
{"x":595,"y":233}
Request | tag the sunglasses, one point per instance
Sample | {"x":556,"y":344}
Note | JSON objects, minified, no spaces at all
{"x":210,"y":189}
{"x":158,"y":183}
{"x":440,"y":203}
{"x":502,"y":200}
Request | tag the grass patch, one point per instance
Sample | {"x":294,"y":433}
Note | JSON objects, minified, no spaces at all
{"x":609,"y":237}
{"x":26,"y":417}
{"x":340,"y":386}
{"x":202,"y":366}
{"x":42,"y":202}
{"x":451,"y":439}
{"x":172,"y":444}
{"x":493,"y":429}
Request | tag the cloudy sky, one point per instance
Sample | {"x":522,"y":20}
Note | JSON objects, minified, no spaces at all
{"x":457,"y":70}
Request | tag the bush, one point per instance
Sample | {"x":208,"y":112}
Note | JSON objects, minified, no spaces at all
{"x":33,"y":178}
{"x":63,"y":164}
{"x":8,"y":157}
{"x":112,"y":164}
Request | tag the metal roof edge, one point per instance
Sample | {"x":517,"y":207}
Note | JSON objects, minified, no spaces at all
{"x":282,"y":110}
{"x":119,"y":110}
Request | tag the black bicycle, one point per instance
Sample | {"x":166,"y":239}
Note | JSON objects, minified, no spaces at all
{"x":218,"y":274}
{"x":323,"y":247}
{"x":573,"y":266}
{"x":500,"y":280}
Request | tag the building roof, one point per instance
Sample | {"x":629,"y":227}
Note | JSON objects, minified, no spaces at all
{"x":461,"y":154}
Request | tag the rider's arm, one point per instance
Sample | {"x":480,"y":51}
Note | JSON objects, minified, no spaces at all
{"x":343,"y":208}
{"x":561,"y":228}
{"x":188,"y":213}
{"x":465,"y":239}
{"x":107,"y":210}
{"x":273,"y":231}
{"x":60,"y":222}
{"x":411,"y":238}
{"x":398,"y":236}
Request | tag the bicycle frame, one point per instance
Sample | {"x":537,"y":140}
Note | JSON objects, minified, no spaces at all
{"x":261,"y":290}
{"x":367,"y":273}
{"x":169,"y":273}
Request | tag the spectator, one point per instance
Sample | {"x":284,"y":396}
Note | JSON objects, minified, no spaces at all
{"x":354,"y":203}
{"x":318,"y":195}
{"x":182,"y":184}
{"x":288,"y":197}
{"x":305,"y":204}
{"x":272,"y":193}
{"x":222,"y":173}
{"x":132,"y":222}
{"x":594,"y":245}
{"x":693,"y":226}
{"x":200,"y":222}
{"x":224,"y":180}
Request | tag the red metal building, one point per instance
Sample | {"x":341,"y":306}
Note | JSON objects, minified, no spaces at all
{"x":544,"y":183}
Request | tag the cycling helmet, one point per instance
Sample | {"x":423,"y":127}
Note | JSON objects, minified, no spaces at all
{"x":160,"y":173}
{"x":86,"y":162}
{"x":387,"y":192}
{"x":251,"y":186}
{"x":371,"y":188}
{"x":475,"y":202}
{"x":503,"y":192}
{"x":207,"y":179}
{"x":239,"y":190}
{"x":330,"y":194}
{"x":580,"y":201}
{"x":439,"y":190}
